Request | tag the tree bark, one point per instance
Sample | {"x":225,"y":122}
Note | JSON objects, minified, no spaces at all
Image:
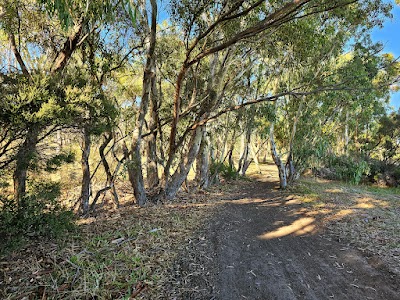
{"x":254,"y":154}
{"x":151,"y":141}
{"x":85,"y":186}
{"x":17,"y":55}
{"x":290,"y":169}
{"x":290,"y":166}
{"x":152,"y":164}
{"x":24,"y":158}
{"x":70,"y":46}
{"x":244,"y":163}
{"x":277,"y":160}
{"x":202,"y":162}
{"x":179,"y":176}
{"x":135,"y":164}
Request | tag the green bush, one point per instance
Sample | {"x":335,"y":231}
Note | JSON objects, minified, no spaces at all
{"x":348,"y":168}
{"x":381,"y":169}
{"x":396,"y":173}
{"x":41,"y":215}
{"x":226,"y":171}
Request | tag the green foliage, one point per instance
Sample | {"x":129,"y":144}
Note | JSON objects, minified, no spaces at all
{"x":70,"y":11}
{"x":55,"y":162}
{"x":347,"y":168}
{"x":42,"y":215}
{"x":226,"y":171}
{"x":382,"y":170}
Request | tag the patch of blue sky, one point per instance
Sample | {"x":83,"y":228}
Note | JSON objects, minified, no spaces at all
{"x":389,"y":36}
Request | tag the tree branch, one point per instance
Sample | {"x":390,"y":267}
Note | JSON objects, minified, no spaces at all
{"x":14,"y":49}
{"x":70,"y":46}
{"x":331,"y":88}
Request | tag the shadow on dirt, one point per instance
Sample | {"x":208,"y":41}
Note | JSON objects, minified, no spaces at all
{"x":261,"y":244}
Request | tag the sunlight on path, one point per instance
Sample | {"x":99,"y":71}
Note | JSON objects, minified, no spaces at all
{"x":299,"y":227}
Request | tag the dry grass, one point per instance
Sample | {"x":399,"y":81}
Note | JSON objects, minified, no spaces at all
{"x":121,"y":254}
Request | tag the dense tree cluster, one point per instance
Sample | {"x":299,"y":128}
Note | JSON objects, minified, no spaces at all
{"x":157,"y":98}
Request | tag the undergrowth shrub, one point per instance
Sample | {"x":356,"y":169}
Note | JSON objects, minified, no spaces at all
{"x":347,"y":168}
{"x":42,"y":215}
{"x":225,"y":170}
{"x":384,"y":171}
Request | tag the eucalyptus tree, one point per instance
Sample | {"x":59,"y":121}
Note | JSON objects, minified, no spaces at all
{"x":149,"y":86}
{"x":386,"y":140}
{"x":36,"y":38}
{"x":44,"y":37}
{"x":210,"y":27}
{"x":316,"y":126}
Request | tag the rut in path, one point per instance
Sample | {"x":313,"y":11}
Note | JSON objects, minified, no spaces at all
{"x":259,"y":245}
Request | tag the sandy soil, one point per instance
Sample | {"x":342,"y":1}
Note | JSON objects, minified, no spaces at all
{"x":260,"y":245}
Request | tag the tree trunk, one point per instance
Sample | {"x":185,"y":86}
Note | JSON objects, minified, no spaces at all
{"x":222,"y":149}
{"x":135,"y":169}
{"x":244,"y":163}
{"x":202,"y":162}
{"x":242,"y":153}
{"x":177,"y":179}
{"x":151,"y":146}
{"x":278,"y":161}
{"x":85,"y":187}
{"x":290,"y":169}
{"x":135,"y":164}
{"x":24,"y":158}
{"x":346,"y":134}
{"x":254,"y":154}
{"x":230,"y":157}
{"x":152,"y":165}
{"x":110,"y":176}
{"x":66,"y":52}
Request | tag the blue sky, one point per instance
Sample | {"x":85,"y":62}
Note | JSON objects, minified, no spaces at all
{"x":389,"y":35}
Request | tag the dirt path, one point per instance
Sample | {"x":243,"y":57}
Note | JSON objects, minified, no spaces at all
{"x":259,"y":245}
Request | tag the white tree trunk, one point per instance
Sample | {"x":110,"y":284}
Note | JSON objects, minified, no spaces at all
{"x":254,"y":154}
{"x":203,"y":162}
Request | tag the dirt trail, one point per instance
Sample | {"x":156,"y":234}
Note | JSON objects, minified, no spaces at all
{"x":259,"y":245}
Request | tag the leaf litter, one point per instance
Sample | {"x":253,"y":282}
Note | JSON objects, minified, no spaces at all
{"x":121,"y":254}
{"x":131,"y":252}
